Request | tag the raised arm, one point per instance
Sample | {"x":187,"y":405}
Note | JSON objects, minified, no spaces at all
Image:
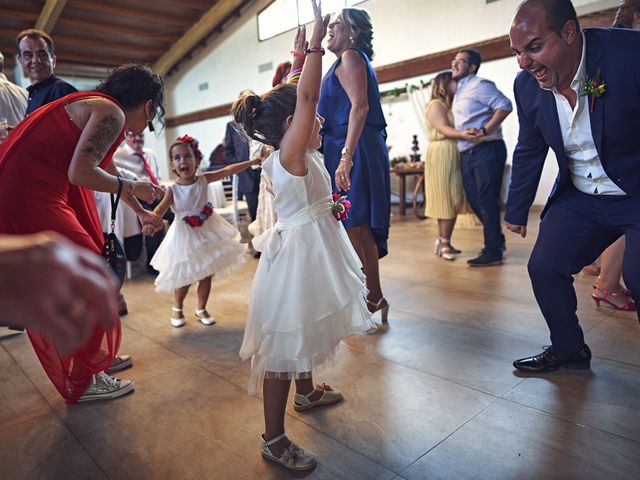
{"x":230,"y":170}
{"x":296,"y":139}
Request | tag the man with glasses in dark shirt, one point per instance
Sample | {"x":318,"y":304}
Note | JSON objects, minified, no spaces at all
{"x":38,"y":60}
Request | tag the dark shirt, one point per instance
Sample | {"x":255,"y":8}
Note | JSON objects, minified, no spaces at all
{"x":47,"y":91}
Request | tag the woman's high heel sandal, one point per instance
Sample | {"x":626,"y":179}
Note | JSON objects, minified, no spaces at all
{"x":630,"y":306}
{"x":177,"y":322}
{"x":293,"y":457}
{"x":382,"y":305}
{"x":444,"y":249}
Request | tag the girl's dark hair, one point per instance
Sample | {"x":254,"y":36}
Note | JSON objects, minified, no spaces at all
{"x":359,"y":23}
{"x":624,"y":15}
{"x":132,"y":85}
{"x":263,"y":117}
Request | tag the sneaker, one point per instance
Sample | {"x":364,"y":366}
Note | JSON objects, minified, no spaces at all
{"x":105,"y":387}
{"x":120,"y":362}
{"x":485,"y":260}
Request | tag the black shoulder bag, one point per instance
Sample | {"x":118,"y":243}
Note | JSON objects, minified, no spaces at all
{"x":113,"y":251}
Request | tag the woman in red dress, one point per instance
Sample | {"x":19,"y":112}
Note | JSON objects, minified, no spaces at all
{"x":49,"y":164}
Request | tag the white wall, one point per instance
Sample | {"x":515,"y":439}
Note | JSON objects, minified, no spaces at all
{"x":403,"y":29}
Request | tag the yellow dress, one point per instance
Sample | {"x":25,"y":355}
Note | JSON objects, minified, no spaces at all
{"x":443,"y":180}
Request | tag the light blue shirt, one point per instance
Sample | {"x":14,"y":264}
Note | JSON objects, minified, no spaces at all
{"x":474,"y":103}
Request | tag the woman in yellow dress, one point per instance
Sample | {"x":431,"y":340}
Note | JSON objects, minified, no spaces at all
{"x":443,"y":181}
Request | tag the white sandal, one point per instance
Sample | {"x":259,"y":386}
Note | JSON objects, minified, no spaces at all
{"x":293,"y":457}
{"x":177,"y":322}
{"x":205,"y":320}
{"x":329,"y":397}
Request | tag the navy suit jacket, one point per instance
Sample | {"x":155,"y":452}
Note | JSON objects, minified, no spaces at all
{"x":615,"y":123}
{"x":236,"y":150}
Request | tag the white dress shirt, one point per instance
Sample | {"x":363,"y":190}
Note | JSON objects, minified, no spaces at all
{"x":587,"y":172}
{"x":130,"y":165}
{"x":13,"y":101}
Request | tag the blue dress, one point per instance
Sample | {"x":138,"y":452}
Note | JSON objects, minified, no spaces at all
{"x":370,"y":194}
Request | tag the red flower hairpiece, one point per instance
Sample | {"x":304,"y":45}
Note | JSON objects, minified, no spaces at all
{"x":194,"y":144}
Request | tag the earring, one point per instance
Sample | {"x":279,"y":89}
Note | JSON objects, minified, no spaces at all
{"x":351,"y":38}
{"x":150,"y":126}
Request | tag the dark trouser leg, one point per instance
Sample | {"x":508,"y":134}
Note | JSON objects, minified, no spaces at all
{"x":573,"y":233}
{"x":631,"y":262}
{"x":468,"y":166}
{"x":489,"y":159}
{"x":252,"y":203}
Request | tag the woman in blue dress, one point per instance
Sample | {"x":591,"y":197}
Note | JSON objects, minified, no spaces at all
{"x":354,"y":143}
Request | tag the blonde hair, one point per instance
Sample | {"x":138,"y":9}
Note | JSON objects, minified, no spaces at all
{"x":440,"y":88}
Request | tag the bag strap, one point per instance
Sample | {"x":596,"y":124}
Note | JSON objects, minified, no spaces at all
{"x":114,"y":204}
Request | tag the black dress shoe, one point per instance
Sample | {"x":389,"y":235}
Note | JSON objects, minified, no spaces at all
{"x":547,"y":361}
{"x":485,"y":260}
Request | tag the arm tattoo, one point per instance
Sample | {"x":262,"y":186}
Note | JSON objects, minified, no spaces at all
{"x":102,"y":138}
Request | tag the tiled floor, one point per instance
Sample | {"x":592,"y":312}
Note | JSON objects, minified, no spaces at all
{"x":434,"y":395}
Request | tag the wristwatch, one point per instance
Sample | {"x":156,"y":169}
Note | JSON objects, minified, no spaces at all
{"x":346,"y":151}
{"x":484,"y":131}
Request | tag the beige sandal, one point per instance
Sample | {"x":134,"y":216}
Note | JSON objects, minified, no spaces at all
{"x":329,"y":397}
{"x":293,"y":457}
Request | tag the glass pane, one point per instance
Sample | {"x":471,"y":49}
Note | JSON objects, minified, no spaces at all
{"x":328,"y":6}
{"x":278,"y":17}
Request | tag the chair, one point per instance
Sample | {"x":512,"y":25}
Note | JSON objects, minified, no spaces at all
{"x":234,"y":210}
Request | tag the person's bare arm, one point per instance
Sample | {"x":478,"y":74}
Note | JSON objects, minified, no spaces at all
{"x":352,"y":75}
{"x":50,"y":284}
{"x":229,"y":170}
{"x":437,"y":118}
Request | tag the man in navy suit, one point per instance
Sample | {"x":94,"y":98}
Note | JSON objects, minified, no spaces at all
{"x":596,"y":140}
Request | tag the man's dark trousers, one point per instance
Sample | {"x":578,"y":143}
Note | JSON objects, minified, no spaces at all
{"x":482,"y":171}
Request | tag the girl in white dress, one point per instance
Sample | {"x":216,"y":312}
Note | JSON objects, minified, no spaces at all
{"x":309,"y":289}
{"x":199,"y":243}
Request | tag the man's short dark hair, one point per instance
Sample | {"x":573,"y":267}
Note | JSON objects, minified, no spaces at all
{"x":474,"y":57}
{"x":35,"y":34}
{"x":557,"y":13}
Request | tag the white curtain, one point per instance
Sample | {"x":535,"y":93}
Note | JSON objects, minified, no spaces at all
{"x":418,"y":96}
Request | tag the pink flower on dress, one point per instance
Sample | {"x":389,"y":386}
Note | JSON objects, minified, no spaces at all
{"x":341,"y":206}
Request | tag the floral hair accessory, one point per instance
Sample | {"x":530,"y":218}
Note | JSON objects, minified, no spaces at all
{"x":194,"y":145}
{"x":341,"y":206}
{"x":595,"y":88}
{"x":199,"y":218}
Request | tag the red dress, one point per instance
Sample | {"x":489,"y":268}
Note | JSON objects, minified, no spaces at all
{"x":35,"y":195}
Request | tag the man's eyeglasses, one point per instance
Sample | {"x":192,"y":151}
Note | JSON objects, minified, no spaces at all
{"x":454,"y":62}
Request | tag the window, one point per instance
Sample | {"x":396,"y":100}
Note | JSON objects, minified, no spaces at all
{"x":283,"y":15}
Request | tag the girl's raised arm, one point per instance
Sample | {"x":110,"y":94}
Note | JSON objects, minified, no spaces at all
{"x":296,"y":139}
{"x":230,"y":170}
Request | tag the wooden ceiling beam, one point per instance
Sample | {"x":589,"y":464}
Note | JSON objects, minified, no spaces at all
{"x":132,"y":13}
{"x":115,"y":29}
{"x":50,"y":14}
{"x":195,"y":34}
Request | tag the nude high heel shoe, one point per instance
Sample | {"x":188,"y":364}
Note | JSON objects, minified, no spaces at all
{"x":382,"y":305}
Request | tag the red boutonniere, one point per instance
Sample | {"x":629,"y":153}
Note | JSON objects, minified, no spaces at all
{"x":199,"y":218}
{"x":595,"y":88}
{"x":341,"y":206}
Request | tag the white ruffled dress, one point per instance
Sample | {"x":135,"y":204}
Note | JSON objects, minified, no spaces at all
{"x":189,"y":254}
{"x":309,"y":289}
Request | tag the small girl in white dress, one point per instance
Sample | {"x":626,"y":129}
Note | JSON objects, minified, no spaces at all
{"x":199,"y":243}
{"x":309,"y":290}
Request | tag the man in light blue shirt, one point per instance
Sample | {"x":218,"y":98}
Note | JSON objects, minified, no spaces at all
{"x":479,"y":107}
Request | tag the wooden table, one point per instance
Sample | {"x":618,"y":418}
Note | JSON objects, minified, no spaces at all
{"x":402,"y":171}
